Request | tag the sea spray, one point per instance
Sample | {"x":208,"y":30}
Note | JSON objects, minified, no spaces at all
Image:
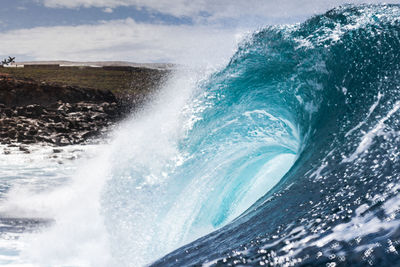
{"x":76,"y":233}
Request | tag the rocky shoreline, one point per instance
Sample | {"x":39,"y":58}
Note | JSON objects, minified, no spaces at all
{"x":56,"y":115}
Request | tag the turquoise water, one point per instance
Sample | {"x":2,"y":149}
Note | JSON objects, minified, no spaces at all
{"x":333,"y":82}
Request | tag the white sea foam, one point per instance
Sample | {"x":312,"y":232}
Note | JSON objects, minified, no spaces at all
{"x":367,"y":139}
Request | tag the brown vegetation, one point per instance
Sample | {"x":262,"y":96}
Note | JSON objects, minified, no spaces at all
{"x":135,"y":83}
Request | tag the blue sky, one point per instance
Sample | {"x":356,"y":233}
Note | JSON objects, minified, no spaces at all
{"x":17,"y":14}
{"x":141,"y":30}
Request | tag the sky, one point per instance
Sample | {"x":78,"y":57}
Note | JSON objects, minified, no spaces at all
{"x":143,"y":31}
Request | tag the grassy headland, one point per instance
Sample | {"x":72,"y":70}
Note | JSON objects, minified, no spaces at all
{"x":134,"y":82}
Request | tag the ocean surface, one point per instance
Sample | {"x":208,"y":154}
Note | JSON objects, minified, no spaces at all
{"x":286,"y":156}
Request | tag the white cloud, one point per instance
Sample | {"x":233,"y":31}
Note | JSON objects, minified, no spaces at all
{"x":120,"y":40}
{"x":108,"y":10}
{"x":140,"y":42}
{"x":218,"y":9}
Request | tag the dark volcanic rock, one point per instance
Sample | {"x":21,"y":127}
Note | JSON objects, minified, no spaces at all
{"x":58,"y":115}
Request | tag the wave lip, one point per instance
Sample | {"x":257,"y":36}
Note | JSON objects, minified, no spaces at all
{"x":337,"y":77}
